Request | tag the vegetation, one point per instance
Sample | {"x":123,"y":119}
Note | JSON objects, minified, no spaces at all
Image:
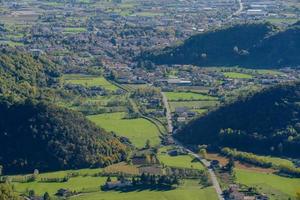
{"x":237,"y":75}
{"x":252,"y":45}
{"x":50,"y":138}
{"x":276,"y":187}
{"x":7,"y":193}
{"x":265,"y":123}
{"x":187,"y":96}
{"x":138,"y":130}
{"x":22,"y":75}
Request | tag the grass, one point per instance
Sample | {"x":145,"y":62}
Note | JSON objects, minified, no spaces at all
{"x":122,"y":168}
{"x":193,"y":104}
{"x":236,"y":75}
{"x":188,"y":96}
{"x":74,"y":30}
{"x":276,"y":187}
{"x":189,"y":190}
{"x":89,"y":81}
{"x":181,"y":161}
{"x":137,"y":130}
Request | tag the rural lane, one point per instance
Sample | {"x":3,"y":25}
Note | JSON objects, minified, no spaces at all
{"x":212,"y":174}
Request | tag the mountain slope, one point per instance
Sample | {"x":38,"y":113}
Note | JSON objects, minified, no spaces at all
{"x":267,"y":122}
{"x":37,"y":135}
{"x":247,"y":45}
{"x":22,"y":76}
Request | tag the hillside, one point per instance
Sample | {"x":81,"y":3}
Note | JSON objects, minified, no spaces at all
{"x":22,"y":75}
{"x":249,"y":45}
{"x":37,"y":135}
{"x":267,"y":122}
{"x":45,"y":137}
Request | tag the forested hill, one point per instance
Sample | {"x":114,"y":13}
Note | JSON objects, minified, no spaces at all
{"x":267,"y":122}
{"x":37,"y":135}
{"x":45,"y":137}
{"x":259,"y":45}
{"x":22,"y":76}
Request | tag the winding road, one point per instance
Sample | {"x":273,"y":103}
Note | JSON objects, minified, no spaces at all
{"x":238,"y":12}
{"x":206,"y":163}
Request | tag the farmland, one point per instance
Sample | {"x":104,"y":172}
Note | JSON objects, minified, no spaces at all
{"x":189,"y":190}
{"x":188,"y":96}
{"x":276,"y":187}
{"x":137,"y":130}
{"x":236,"y":75}
{"x":181,"y":161}
{"x":89,"y":81}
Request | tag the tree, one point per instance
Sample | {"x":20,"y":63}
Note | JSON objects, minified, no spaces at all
{"x":298,"y":194}
{"x":46,"y":196}
{"x":148,"y":144}
{"x":31,"y":193}
{"x":203,"y":153}
{"x":7,"y":193}
{"x":108,"y":179}
{"x":230,"y":165}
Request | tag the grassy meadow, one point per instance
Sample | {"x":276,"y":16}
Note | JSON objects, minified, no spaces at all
{"x":277,"y":187}
{"x":137,"y":130}
{"x":189,"y":190}
{"x":89,"y":81}
{"x":237,"y":75}
{"x":188,"y":96}
{"x":181,"y":161}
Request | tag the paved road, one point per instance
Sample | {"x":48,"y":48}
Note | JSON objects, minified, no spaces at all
{"x":212,"y":174}
{"x":168,"y":112}
{"x":238,"y":12}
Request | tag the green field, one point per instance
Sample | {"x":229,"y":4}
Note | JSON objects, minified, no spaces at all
{"x":277,"y":187}
{"x":137,"y":130}
{"x":89,"y":81}
{"x":196,"y":105}
{"x":181,"y":161}
{"x":189,"y":190}
{"x":236,"y":75}
{"x":74,"y":30}
{"x":188,"y":96}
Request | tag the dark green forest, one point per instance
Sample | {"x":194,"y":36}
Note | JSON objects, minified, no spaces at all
{"x":266,"y":123}
{"x":34,"y":134}
{"x":255,"y":45}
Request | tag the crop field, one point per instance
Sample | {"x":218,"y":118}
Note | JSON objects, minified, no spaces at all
{"x":189,"y":190}
{"x":182,"y":161}
{"x":74,"y":30}
{"x":236,"y":75}
{"x":137,"y":130}
{"x":89,"y":81}
{"x":193,"y":104}
{"x":277,"y":187}
{"x":188,"y":96}
{"x":122,"y":168}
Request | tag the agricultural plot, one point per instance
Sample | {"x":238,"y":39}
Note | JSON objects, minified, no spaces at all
{"x":137,"y":130}
{"x":188,"y":96}
{"x":190,"y":189}
{"x":181,"y":161}
{"x":89,"y":81}
{"x":276,"y":187}
{"x":236,"y":75}
{"x":194,"y":105}
{"x":74,"y":30}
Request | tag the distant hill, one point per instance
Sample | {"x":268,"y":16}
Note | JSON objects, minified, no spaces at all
{"x":267,"y":122}
{"x":45,"y":137}
{"x":259,"y":45}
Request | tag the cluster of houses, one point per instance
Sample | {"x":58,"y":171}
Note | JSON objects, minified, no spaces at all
{"x":234,"y":193}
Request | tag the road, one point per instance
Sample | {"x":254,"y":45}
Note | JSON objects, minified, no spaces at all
{"x":168,"y":112}
{"x":238,"y":12}
{"x":212,"y":174}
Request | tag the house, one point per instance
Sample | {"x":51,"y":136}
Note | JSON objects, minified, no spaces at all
{"x":117,"y":184}
{"x":63,"y":193}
